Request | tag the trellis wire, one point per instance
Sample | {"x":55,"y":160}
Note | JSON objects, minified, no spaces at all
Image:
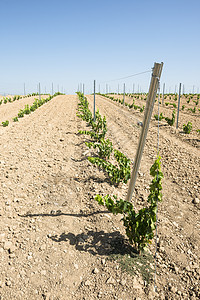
{"x":136,"y":74}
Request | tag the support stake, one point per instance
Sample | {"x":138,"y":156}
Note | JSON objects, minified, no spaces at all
{"x":94,"y":101}
{"x":157,"y":69}
{"x":163,"y":95}
{"x":179,"y":100}
{"x":39,"y":91}
{"x":124,"y":95}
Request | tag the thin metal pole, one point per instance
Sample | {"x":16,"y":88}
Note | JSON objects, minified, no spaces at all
{"x":183,"y":89}
{"x":157,"y":69}
{"x":133,"y":87}
{"x":52,"y":88}
{"x":39,"y":92}
{"x":156,"y":235}
{"x":179,"y":100}
{"x":124,"y":95}
{"x":163,"y":95}
{"x":94,"y":101}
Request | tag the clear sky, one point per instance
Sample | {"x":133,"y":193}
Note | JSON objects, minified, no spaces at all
{"x":72,"y":42}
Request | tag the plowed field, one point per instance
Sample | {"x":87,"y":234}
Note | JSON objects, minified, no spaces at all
{"x":56,"y":242}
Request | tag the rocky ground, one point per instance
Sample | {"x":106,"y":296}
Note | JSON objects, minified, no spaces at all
{"x":56,"y":242}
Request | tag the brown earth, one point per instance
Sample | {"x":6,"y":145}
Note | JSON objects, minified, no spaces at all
{"x":56,"y":242}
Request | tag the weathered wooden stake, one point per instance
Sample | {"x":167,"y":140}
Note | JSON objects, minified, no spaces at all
{"x":157,"y":69}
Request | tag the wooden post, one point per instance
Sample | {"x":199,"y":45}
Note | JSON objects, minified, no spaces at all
{"x":147,"y":117}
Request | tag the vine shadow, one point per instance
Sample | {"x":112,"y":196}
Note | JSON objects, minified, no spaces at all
{"x":97,"y":242}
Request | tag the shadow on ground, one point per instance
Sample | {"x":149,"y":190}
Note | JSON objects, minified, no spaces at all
{"x":98,"y":242}
{"x":57,"y":213}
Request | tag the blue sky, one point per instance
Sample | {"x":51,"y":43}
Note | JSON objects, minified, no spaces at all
{"x":68,"y":42}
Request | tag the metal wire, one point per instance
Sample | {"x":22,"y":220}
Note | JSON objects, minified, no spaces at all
{"x":136,"y":74}
{"x":155,"y":287}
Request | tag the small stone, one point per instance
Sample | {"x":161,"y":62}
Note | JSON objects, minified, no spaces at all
{"x":87,"y":283}
{"x":173,"y":289}
{"x":61,"y":140}
{"x":43,"y":272}
{"x":179,"y":293}
{"x":12,"y":249}
{"x":176,"y":269}
{"x":17,"y":200}
{"x":188,"y":269}
{"x":43,"y":247}
{"x":110,"y":280}
{"x":47,"y":296}
{"x":45,"y":185}
{"x":8,"y":283}
{"x":86,"y":152}
{"x":103,"y":261}
{"x":7,"y":245}
{"x":2,"y":237}
{"x":76,"y":266}
{"x":2,"y":284}
{"x":12,"y":255}
{"x":95,"y":271}
{"x":162,"y":249}
{"x":123,"y":282}
{"x":196,"y":201}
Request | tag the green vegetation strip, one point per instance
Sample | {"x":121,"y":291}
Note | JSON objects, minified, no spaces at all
{"x":139,"y":225}
{"x":28,"y":109}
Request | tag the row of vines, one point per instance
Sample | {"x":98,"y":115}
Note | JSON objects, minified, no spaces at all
{"x":139,"y":225}
{"x":187,"y":128}
{"x":29,"y":109}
